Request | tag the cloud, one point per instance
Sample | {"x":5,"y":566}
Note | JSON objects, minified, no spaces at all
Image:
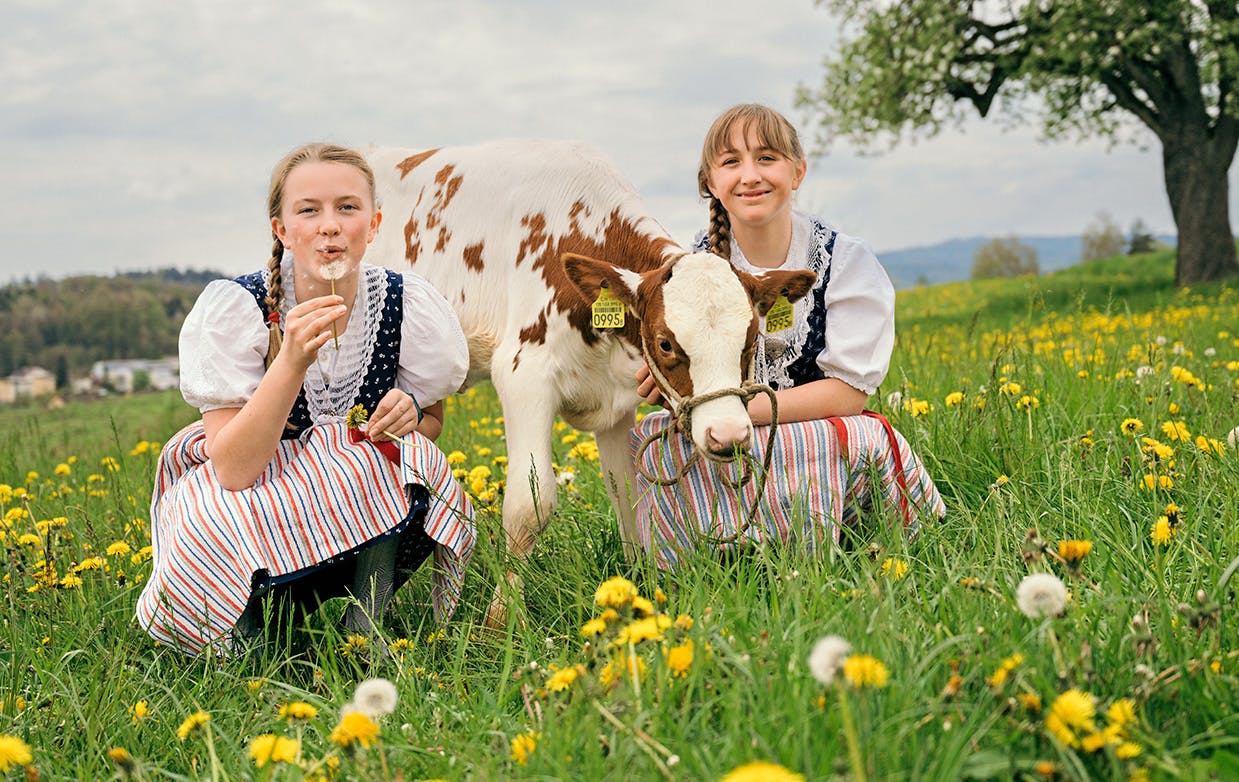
{"x":141,"y":133}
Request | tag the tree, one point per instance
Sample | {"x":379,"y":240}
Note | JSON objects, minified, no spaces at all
{"x":1142,"y":241}
{"x":1007,"y":257}
{"x":1090,"y":66}
{"x":1102,"y":239}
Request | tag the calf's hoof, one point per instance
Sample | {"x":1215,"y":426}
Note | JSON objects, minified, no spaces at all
{"x":509,"y":594}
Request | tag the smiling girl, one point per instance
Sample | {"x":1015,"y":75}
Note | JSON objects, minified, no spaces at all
{"x":271,"y":495}
{"x":823,"y":355}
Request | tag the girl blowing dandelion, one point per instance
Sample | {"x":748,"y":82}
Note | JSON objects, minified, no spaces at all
{"x":266,"y":496}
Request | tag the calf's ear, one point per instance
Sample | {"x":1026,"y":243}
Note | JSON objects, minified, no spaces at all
{"x":765,"y":288}
{"x":590,"y":276}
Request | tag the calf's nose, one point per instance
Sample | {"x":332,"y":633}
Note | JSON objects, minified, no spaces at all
{"x":723,"y":438}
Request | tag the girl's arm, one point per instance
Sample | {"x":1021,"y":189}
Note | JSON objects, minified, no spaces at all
{"x":241,"y":441}
{"x":811,"y":401}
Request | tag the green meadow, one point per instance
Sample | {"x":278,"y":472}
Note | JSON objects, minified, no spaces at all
{"x":1075,"y":423}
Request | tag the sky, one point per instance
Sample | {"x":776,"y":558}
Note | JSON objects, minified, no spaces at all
{"x":140,"y":134}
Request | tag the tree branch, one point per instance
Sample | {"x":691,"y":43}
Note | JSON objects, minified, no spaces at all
{"x":1127,"y":98}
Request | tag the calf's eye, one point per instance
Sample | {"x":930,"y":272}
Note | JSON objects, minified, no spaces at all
{"x":664,"y":345}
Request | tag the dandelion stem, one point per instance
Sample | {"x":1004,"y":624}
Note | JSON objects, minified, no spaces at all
{"x":335,"y":335}
{"x":849,"y":732}
{"x":402,"y":440}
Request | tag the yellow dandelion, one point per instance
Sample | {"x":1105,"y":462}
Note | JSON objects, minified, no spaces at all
{"x":1030,"y":701}
{"x":400,"y":646}
{"x":615,"y":592}
{"x":298,"y":710}
{"x":62,"y":469}
{"x":123,"y":760}
{"x":193,"y":722}
{"x":1176,"y":431}
{"x":649,"y":629}
{"x":1092,"y":742}
{"x":1162,"y":532}
{"x":863,"y":670}
{"x":563,"y":679}
{"x":762,"y":771}
{"x":680,"y":658}
{"x":354,"y":644}
{"x":1128,"y":750}
{"x":1070,"y":717}
{"x":684,"y":622}
{"x":522,"y":747}
{"x":355,"y":728}
{"x":1027,"y":402}
{"x":71,"y":581}
{"x":13,"y":752}
{"x":139,"y":711}
{"x":593,"y":627}
{"x":90,"y":563}
{"x":954,"y":398}
{"x":269,"y":748}
{"x":1010,"y":389}
{"x":895,"y":568}
{"x":642,"y":607}
{"x":1046,"y":769}
{"x":118,"y":549}
{"x":1072,"y":551}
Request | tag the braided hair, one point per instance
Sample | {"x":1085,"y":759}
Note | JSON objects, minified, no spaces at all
{"x":773,"y":130}
{"x":307,"y":153}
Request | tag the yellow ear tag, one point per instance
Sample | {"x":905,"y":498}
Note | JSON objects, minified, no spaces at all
{"x":779,"y":316}
{"x":607,"y":312}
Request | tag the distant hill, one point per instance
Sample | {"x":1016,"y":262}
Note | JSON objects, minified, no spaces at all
{"x":952,"y":260}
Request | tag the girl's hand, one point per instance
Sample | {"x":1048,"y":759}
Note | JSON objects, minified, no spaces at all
{"x":307,"y":327}
{"x":395,"y":413}
{"x":647,"y":388}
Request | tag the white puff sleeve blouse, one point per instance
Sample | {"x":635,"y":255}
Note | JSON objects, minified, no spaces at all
{"x":860,"y":316}
{"x":223,"y":345}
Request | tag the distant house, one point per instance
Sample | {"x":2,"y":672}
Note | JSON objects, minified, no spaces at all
{"x":31,"y":382}
{"x":8,"y":394}
{"x":119,"y":374}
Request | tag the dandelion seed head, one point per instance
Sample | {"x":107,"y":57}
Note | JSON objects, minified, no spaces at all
{"x":1041,"y":594}
{"x":827,"y":657}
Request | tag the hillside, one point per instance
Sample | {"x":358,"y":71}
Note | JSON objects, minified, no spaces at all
{"x":66,"y":325}
{"x":952,"y":260}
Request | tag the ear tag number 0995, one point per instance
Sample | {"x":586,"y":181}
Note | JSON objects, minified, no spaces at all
{"x":607,"y":312}
{"x":779,"y":316}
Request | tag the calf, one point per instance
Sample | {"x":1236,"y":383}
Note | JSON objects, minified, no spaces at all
{"x":522,"y":237}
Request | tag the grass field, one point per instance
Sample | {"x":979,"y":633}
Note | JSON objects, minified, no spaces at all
{"x":1076,"y":424}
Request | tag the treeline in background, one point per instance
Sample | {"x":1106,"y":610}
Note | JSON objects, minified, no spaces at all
{"x":68,"y":324}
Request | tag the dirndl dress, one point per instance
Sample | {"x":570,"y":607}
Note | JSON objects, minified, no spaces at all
{"x":819,"y":482}
{"x":324,"y":497}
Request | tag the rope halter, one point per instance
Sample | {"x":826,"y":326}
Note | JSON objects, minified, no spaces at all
{"x":681,"y":419}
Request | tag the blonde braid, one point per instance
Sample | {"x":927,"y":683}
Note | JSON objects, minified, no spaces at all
{"x":275,"y":298}
{"x":720,"y":229}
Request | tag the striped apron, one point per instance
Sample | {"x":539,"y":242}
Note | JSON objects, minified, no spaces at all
{"x":820,"y":481}
{"x":321,"y":500}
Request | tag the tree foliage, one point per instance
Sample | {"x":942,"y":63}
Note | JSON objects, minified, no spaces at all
{"x":1004,"y":257}
{"x":71,"y":323}
{"x":1102,"y":239}
{"x":1092,"y":67}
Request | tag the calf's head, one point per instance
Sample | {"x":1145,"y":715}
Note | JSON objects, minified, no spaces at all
{"x":697,"y":318}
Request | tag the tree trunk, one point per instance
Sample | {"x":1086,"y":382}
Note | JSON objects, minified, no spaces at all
{"x":1195,"y":167}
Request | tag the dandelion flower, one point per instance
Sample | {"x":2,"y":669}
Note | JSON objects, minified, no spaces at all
{"x":1046,"y":769}
{"x":269,"y":748}
{"x":139,"y":711}
{"x":650,"y":629}
{"x":298,"y":710}
{"x":1176,"y":431}
{"x":1162,"y":532}
{"x":762,"y":771}
{"x":1128,"y":750}
{"x":863,"y":670}
{"x":680,"y":658}
{"x":118,"y":549}
{"x":1071,"y":716}
{"x":375,"y":698}
{"x":1041,"y":594}
{"x":123,"y":760}
{"x":1074,"y":550}
{"x":194,"y":721}
{"x":13,"y":752}
{"x":895,"y":568}
{"x":355,"y":728}
{"x":954,"y":398}
{"x":684,"y":622}
{"x":1131,"y":426}
{"x":615,"y":592}
{"x":827,"y":657}
{"x":562,"y":680}
{"x":523,"y":746}
{"x":594,"y":627}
